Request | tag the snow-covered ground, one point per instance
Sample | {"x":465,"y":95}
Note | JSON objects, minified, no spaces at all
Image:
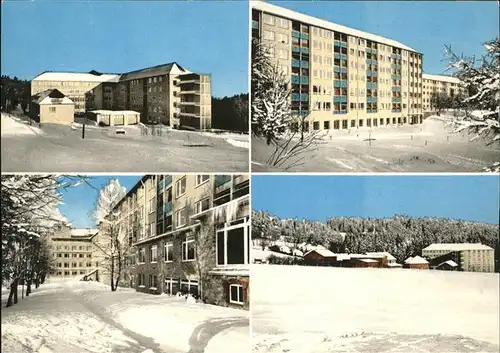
{"x":56,"y":148}
{"x":300,"y":309}
{"x":428,"y":147}
{"x":74,"y":316}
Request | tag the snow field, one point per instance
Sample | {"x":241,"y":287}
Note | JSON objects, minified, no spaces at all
{"x":298,"y":305}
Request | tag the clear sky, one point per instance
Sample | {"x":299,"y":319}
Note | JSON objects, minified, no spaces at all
{"x":79,"y":200}
{"x":318,"y":197}
{"x":119,"y":36}
{"x":425,"y":26}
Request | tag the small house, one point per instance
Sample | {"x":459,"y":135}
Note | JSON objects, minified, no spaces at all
{"x":320,"y":257}
{"x":449,"y":265}
{"x":416,"y":262}
{"x":52,"y":106}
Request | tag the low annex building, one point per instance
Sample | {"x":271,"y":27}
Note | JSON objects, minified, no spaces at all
{"x":416,"y":262}
{"x":115,"y":117}
{"x":52,"y":106}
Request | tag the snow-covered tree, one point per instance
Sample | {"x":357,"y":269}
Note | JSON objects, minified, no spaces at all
{"x":271,"y":107}
{"x":482,"y":78}
{"x":112,"y":238}
{"x":29,"y":211}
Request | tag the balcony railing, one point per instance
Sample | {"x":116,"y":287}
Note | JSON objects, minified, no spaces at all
{"x":396,"y":89}
{"x":295,"y":34}
{"x":340,"y":56}
{"x":221,"y":180}
{"x":396,"y":77}
{"x":255,"y":25}
{"x":300,"y":63}
{"x":371,"y":110}
{"x":340,"y":99}
{"x":303,"y":97}
{"x":371,"y":85}
{"x":338,"y":43}
{"x":396,"y":110}
{"x":303,"y":50}
{"x":371,"y":73}
{"x":397,"y":99}
{"x":340,"y":69}
{"x":371,"y":99}
{"x":340,"y":111}
{"x":340,"y":83}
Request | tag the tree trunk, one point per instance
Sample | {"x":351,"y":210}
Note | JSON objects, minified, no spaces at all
{"x":28,"y":288}
{"x":112,"y":274}
{"x":13,"y":290}
{"x":42,"y":278}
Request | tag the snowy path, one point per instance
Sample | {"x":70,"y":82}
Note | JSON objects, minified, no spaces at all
{"x":325,"y":309}
{"x":83,"y":317}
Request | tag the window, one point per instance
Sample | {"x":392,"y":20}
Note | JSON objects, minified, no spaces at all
{"x":171,"y":286}
{"x":169,"y":252}
{"x":180,"y":187}
{"x":283,"y":22}
{"x":189,"y":286}
{"x":201,"y":178}
{"x":52,"y":109}
{"x":269,"y":35}
{"x":142,"y":255}
{"x":153,"y":253}
{"x":236,"y":294}
{"x":202,"y":205}
{"x":232,"y":244}
{"x":188,"y":249}
{"x":283,"y":38}
{"x":283,"y":54}
{"x":141,"y":280}
{"x":181,"y":218}
{"x":268,"y":19}
{"x":153,"y":281}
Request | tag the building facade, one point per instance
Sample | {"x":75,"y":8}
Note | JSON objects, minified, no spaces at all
{"x":188,"y":234}
{"x":72,"y":251}
{"x":440,"y":84}
{"x":165,"y":94}
{"x":470,"y":257}
{"x":341,"y":78}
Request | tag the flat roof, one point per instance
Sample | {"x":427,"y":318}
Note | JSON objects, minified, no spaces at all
{"x":114,"y":112}
{"x":458,"y":246}
{"x":293,"y":15}
{"x":441,"y":78}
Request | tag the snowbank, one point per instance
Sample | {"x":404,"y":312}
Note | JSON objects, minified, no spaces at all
{"x":12,"y":126}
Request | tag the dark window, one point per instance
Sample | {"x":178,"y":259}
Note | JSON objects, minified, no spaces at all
{"x":235,"y":246}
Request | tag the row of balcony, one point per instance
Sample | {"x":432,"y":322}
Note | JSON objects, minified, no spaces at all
{"x":371,"y":99}
{"x":396,"y":66}
{"x":340,"y":111}
{"x":397,"y":99}
{"x":300,"y":63}
{"x":340,"y":99}
{"x":371,"y":110}
{"x":371,"y":51}
{"x":340,"y":56}
{"x":255,"y":25}
{"x":371,"y":73}
{"x":371,"y":62}
{"x":396,"y":77}
{"x":396,"y":89}
{"x":340,"y":69}
{"x":371,"y":85}
{"x":300,"y":35}
{"x":300,"y":80}
{"x":396,"y":56}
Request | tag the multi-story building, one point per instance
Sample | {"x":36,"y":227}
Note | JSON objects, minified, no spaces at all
{"x":440,"y":84}
{"x":72,"y":250}
{"x":469,"y":257}
{"x":340,"y":77}
{"x":165,"y":94}
{"x":189,"y":234}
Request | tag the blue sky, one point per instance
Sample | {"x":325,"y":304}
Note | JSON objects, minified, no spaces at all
{"x":79,"y":200}
{"x":119,"y":36}
{"x":425,"y":26}
{"x":318,"y":197}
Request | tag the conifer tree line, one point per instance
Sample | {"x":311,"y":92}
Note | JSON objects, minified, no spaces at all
{"x":401,"y":235}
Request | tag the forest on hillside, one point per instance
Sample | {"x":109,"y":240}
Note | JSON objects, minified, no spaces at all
{"x":230,"y":113}
{"x":14,"y":91}
{"x":401,"y":235}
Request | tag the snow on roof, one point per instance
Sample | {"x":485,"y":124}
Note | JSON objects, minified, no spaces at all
{"x":76,"y":76}
{"x":393,"y":264}
{"x":48,"y":96}
{"x":113,"y":112}
{"x":458,"y":246}
{"x":293,"y":15}
{"x":441,"y":78}
{"x":449,"y":262}
{"x":322,"y":252}
{"x":342,"y":257}
{"x":83,"y":232}
{"x":381,"y":254}
{"x":416,"y":260}
{"x":368,"y":260}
